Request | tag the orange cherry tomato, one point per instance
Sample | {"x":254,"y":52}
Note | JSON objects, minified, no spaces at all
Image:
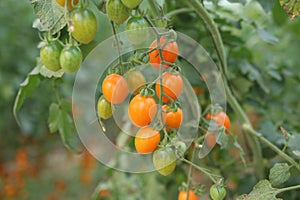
{"x":172,"y":86}
{"x":169,"y":53}
{"x":146,"y":140}
{"x":63,"y":2}
{"x":142,"y":110}
{"x":172,"y":119}
{"x":114,"y":88}
{"x":221,"y":119}
{"x":183,"y":195}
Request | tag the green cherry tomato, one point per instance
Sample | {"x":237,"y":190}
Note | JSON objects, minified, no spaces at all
{"x":85,"y":25}
{"x":135,"y":81}
{"x":50,"y":55}
{"x":70,"y":58}
{"x":217,"y":192}
{"x":117,"y":11}
{"x":137,"y":30}
{"x":164,"y":161}
{"x":104,"y":108}
{"x":131,"y":3}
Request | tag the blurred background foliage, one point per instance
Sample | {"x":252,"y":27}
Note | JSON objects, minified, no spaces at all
{"x":262,"y":45}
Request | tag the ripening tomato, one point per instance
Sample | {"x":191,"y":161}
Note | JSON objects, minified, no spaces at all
{"x":85,"y":25}
{"x":221,"y":119}
{"x":114,"y":88}
{"x":50,"y":55}
{"x":172,"y":119}
{"x":104,"y":108}
{"x":131,"y":3}
{"x":70,"y":58}
{"x":164,"y":161}
{"x":63,"y":2}
{"x":217,"y":192}
{"x":135,"y":81}
{"x":183,"y":195}
{"x":142,"y":110}
{"x":169,"y":53}
{"x":137,"y":30}
{"x":117,"y":11}
{"x":172,"y":86}
{"x":146,"y":140}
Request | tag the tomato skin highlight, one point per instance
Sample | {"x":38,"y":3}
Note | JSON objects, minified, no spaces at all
{"x":85,"y":25}
{"x":114,"y":88}
{"x":142,"y":110}
{"x":117,"y":11}
{"x":172,"y":119}
{"x":146,"y":140}
{"x":183,"y":195}
{"x":172,"y":86}
{"x":169,"y":53}
{"x":70,"y":58}
{"x":164,"y":161}
{"x":50,"y":54}
{"x":104,"y":108}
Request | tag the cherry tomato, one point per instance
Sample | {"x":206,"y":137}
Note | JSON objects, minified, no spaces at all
{"x":117,"y":11}
{"x":172,"y":119}
{"x":183,"y":195}
{"x":142,"y":110}
{"x":137,"y":30}
{"x":164,"y":161}
{"x":50,"y":55}
{"x":104,"y":108}
{"x":146,"y":140}
{"x":217,"y":192}
{"x":70,"y":58}
{"x":172,"y":86}
{"x":221,"y":119}
{"x":131,"y":3}
{"x":63,"y":2}
{"x":85,"y":25}
{"x":169,"y":53}
{"x":114,"y":88}
{"x":135,"y":81}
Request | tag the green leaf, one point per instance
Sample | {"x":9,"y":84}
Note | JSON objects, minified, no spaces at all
{"x":46,"y":72}
{"x":267,"y":5}
{"x":262,"y":190}
{"x":297,"y":153}
{"x":222,"y":138}
{"x":291,"y":7}
{"x":60,"y":120}
{"x":51,"y":15}
{"x":31,"y":82}
{"x":279,"y":174}
{"x":266,"y":36}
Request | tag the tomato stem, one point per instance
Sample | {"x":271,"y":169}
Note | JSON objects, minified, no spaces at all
{"x":190,"y":174}
{"x":118,"y":47}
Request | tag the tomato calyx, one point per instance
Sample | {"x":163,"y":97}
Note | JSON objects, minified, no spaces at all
{"x":147,"y":92}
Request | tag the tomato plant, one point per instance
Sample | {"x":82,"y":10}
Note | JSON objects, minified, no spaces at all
{"x":146,"y":140}
{"x":169,"y":52}
{"x":164,"y":161}
{"x":183,"y":195}
{"x":117,"y":11}
{"x":141,"y":110}
{"x":85,"y":25}
{"x":172,"y":85}
{"x":135,"y":81}
{"x":104,"y":108}
{"x":131,"y":3}
{"x":137,"y":31}
{"x":70,"y":58}
{"x":63,"y":2}
{"x":114,"y":88}
{"x":172,"y":119}
{"x":50,"y":53}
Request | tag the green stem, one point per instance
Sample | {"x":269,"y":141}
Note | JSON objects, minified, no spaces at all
{"x":190,"y":174}
{"x":178,"y":11}
{"x":118,"y":46}
{"x":211,"y":26}
{"x":250,"y":130}
{"x":288,"y":188}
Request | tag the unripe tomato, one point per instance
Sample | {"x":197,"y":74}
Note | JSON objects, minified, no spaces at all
{"x":137,"y":30}
{"x":172,"y":86}
{"x":221,"y":119}
{"x":172,"y":119}
{"x":169,"y":53}
{"x":85,"y":25}
{"x":183,"y":195}
{"x":114,"y":88}
{"x":63,"y":2}
{"x":131,"y":3}
{"x":104,"y":108}
{"x":217,"y":192}
{"x":135,"y":81}
{"x":70,"y":58}
{"x":117,"y":11}
{"x":164,"y":161}
{"x":142,"y":110}
{"x":50,"y":55}
{"x":146,"y":140}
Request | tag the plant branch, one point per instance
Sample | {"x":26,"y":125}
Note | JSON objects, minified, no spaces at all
{"x":295,"y":187}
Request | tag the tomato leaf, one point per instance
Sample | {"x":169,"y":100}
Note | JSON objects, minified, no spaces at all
{"x":262,"y":190}
{"x":61,"y":121}
{"x":291,"y":7}
{"x":31,"y":82}
{"x":266,"y":36}
{"x":51,"y":15}
{"x":279,"y":174}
